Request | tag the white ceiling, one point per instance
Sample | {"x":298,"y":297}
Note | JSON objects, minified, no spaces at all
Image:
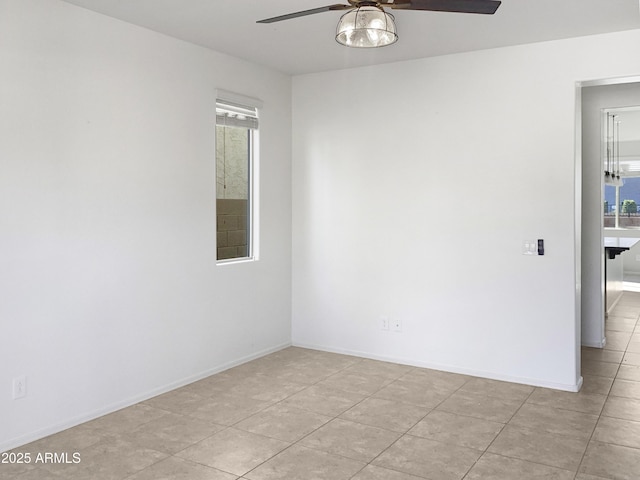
{"x":306,"y":44}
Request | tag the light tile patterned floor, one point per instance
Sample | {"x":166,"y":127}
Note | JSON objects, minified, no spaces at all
{"x":309,"y":415}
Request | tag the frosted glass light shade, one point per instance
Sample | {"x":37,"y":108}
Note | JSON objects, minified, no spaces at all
{"x":366,"y":27}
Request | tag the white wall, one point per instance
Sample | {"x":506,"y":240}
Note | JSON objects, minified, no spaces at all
{"x":383,"y":159}
{"x":594,"y":100}
{"x":109,"y":290}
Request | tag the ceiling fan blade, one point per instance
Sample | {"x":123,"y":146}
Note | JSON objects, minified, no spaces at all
{"x":303,"y":13}
{"x":461,"y":6}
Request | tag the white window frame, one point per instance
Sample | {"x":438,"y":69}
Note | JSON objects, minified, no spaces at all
{"x":253,"y":250}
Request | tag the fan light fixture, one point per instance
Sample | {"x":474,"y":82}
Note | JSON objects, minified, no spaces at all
{"x":367,"y":26}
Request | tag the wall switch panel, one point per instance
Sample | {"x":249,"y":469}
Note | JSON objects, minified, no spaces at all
{"x":529,"y":247}
{"x":533,"y":247}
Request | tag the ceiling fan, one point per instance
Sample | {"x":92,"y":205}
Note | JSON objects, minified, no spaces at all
{"x":367,"y":24}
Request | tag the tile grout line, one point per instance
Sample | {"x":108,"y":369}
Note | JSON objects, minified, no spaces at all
{"x":367,"y":396}
{"x":432,"y":409}
{"x":486,"y":450}
{"x":333,"y":417}
{"x":582,"y":459}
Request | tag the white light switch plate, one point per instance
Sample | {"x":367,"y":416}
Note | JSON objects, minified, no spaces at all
{"x":529,"y":247}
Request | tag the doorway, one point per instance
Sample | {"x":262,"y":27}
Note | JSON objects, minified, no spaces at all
{"x":596,"y":98}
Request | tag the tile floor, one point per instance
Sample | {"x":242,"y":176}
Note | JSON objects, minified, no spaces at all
{"x":303,"y":414}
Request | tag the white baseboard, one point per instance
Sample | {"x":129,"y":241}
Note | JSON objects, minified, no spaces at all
{"x":614,"y":303}
{"x":594,"y":344}
{"x":631,"y":276}
{"x":72,"y":422}
{"x":448,"y":368}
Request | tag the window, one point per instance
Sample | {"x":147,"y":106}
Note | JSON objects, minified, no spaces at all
{"x":236,"y":156}
{"x":621,"y":204}
{"x":621,"y":160}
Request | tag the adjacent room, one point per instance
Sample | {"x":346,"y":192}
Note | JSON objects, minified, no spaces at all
{"x":233,"y":249}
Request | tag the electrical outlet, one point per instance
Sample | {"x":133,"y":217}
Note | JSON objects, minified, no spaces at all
{"x":396,"y":325}
{"x":384,"y":323}
{"x":19,"y":387}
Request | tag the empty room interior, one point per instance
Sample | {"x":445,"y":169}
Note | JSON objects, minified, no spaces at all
{"x":242,"y":250}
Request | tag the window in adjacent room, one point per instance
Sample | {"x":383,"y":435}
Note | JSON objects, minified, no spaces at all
{"x":621,"y":161}
{"x":621,"y":204}
{"x":236,"y":158}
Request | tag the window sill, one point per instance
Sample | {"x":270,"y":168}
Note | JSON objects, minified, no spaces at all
{"x":234,"y":261}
